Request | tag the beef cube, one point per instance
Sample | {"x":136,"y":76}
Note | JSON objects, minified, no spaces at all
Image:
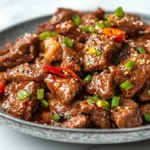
{"x":143,"y":93}
{"x":98,"y":116}
{"x":145,"y":109}
{"x":79,"y":121}
{"x":71,"y":59}
{"x":106,"y":46}
{"x":64,"y":89}
{"x":61,"y":15}
{"x":24,"y":50}
{"x":23,"y":109}
{"x":130,"y":23}
{"x":92,"y":17}
{"x":53,"y":49}
{"x":102,"y":84}
{"x":27,"y":72}
{"x":137,"y":76}
{"x":127,"y":115}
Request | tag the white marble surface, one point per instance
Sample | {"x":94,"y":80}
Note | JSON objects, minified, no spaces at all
{"x":15,"y":11}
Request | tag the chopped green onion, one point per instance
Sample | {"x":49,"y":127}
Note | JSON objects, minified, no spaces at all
{"x":119,"y":12}
{"x":44,"y":102}
{"x":115,"y":101}
{"x":85,"y":28}
{"x":90,"y":101}
{"x":100,"y":24}
{"x":148,"y":92}
{"x":141,"y":50}
{"x":107,"y":24}
{"x":23,"y":94}
{"x":126,"y":85}
{"x":103,"y":104}
{"x":68,"y":42}
{"x":95,"y":97}
{"x":98,"y":52}
{"x":147,"y":117}
{"x":129,"y":65}
{"x":40,"y":93}
{"x":46,"y":34}
{"x":56,"y":117}
{"x":76,"y":19}
{"x":88,"y":29}
{"x":92,"y":29}
{"x":88,"y":79}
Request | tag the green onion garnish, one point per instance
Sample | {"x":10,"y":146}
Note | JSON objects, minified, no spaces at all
{"x":98,"y":52}
{"x":141,"y":50}
{"x":119,"y":12}
{"x":115,"y":101}
{"x":90,"y":101}
{"x":56,"y":117}
{"x":129,"y":65}
{"x":88,"y":29}
{"x":100,"y":24}
{"x":126,"y":85}
{"x":85,"y":28}
{"x":103,"y":104}
{"x":46,"y":34}
{"x":44,"y":102}
{"x":95,"y":97}
{"x":40,"y":93}
{"x":88,"y":79}
{"x":148,"y":92}
{"x":107,"y":24}
{"x":147,"y":117}
{"x":68,"y":42}
{"x":76,"y":19}
{"x":23,"y":94}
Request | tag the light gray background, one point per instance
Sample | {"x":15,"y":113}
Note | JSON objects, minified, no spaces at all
{"x":15,"y":11}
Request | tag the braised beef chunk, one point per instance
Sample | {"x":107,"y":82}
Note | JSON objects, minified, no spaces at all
{"x":79,"y":121}
{"x":131,"y":24}
{"x":92,"y":17}
{"x":71,"y":59}
{"x":27,"y":72}
{"x":143,"y":93}
{"x":136,"y":77}
{"x":93,"y":73}
{"x":61,"y":15}
{"x":99,"y":52}
{"x":24,"y":50}
{"x":127,"y":115}
{"x":53,"y":49}
{"x":102,"y":84}
{"x":145,"y":109}
{"x":21,"y":108}
{"x":64,"y":89}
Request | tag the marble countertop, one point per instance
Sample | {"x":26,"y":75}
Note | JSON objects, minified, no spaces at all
{"x":15,"y":11}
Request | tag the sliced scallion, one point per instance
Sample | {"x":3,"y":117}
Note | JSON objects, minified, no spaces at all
{"x":46,"y":34}
{"x":115,"y":101}
{"x":141,"y":50}
{"x":126,"y":85}
{"x":76,"y":19}
{"x":40,"y":93}
{"x":129,"y":65}
{"x":148,"y":92}
{"x":88,"y":79}
{"x":56,"y":117}
{"x":23,"y":94}
{"x":44,"y":102}
{"x":119,"y":12}
{"x":147,"y":117}
{"x":68,"y":42}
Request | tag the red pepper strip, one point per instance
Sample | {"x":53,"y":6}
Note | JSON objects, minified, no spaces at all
{"x":62,"y":72}
{"x":119,"y":34}
{"x":2,"y":86}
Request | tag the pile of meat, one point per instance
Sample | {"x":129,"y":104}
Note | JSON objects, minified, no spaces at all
{"x":79,"y":70}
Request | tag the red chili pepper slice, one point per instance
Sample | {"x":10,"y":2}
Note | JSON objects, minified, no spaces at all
{"x":2,"y":86}
{"x":62,"y":72}
{"x":119,"y":34}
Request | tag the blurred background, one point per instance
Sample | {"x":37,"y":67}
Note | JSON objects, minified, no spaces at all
{"x":15,"y":11}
